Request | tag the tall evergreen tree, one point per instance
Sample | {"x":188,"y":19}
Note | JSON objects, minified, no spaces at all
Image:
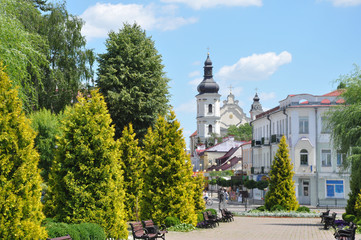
{"x":86,"y":182}
{"x":281,"y":186}
{"x":198,"y":187}
{"x":131,"y":77}
{"x":132,"y":161}
{"x":20,"y":191}
{"x":168,"y":184}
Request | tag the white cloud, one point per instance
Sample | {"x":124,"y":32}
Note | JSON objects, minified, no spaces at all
{"x":255,"y":67}
{"x":345,"y":3}
{"x":194,"y":74}
{"x":198,"y":4}
{"x":103,"y":17}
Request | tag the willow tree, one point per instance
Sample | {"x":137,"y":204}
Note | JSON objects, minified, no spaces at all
{"x":86,"y":182}
{"x":345,"y":122}
{"x":281,"y":186}
{"x":20,"y":191}
{"x":168,"y":185}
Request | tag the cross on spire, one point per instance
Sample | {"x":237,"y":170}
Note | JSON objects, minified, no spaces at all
{"x":256,"y":89}
{"x":208,"y":51}
{"x":230,"y":88}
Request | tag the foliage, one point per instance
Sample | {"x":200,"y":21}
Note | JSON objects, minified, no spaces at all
{"x":358,"y":206}
{"x":86,"y":182}
{"x":250,"y":184}
{"x":345,"y":121}
{"x":212,"y":210}
{"x":70,"y":63}
{"x":303,"y":209}
{"x":261,"y":208}
{"x":20,"y":50}
{"x":281,"y":186}
{"x":198,"y":192}
{"x":349,"y":218}
{"x":20,"y":192}
{"x":168,"y":185}
{"x":132,"y":79}
{"x":47,"y":127}
{"x":213,"y":181}
{"x":225,"y":173}
{"x":171,"y":221}
{"x":241,"y":133}
{"x":132,"y":161}
{"x":76,"y":231}
{"x":277,"y":207}
{"x":182,"y":227}
{"x":261,"y":185}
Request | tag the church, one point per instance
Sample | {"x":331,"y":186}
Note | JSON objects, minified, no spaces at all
{"x":212,"y":118}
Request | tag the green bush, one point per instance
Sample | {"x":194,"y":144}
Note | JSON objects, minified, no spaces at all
{"x":277,"y":208}
{"x":303,"y":209}
{"x":82,"y":231}
{"x":343,"y":215}
{"x":200,"y":217}
{"x":171,"y":221}
{"x":349,"y":218}
{"x":213,"y":211}
{"x":183,"y":227}
{"x":261,"y":208}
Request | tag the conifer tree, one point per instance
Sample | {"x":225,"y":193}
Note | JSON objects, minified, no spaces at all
{"x":281,"y":186}
{"x":86,"y":179}
{"x":132,"y":161}
{"x":198,"y":192}
{"x":168,"y":184}
{"x":20,"y":191}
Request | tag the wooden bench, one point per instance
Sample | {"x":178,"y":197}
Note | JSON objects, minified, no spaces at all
{"x":346,"y":234}
{"x":139,"y":232}
{"x":152,"y":228}
{"x":324,"y":214}
{"x":227,"y":216}
{"x":213,"y":217}
{"x":67,"y":237}
{"x":208,"y":222}
{"x":329,"y":221}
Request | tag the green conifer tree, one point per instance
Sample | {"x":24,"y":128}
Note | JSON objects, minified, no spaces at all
{"x":168,"y":184}
{"x":133,"y":165}
{"x":281,"y":186}
{"x":86,"y":181}
{"x":20,"y":191}
{"x":198,"y":192}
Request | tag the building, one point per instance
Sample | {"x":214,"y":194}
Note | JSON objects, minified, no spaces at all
{"x":316,"y":163}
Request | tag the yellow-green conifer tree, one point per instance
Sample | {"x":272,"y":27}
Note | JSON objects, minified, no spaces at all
{"x":168,"y":183}
{"x":20,"y":191}
{"x":281,"y":186}
{"x":86,"y":181}
{"x":132,"y":161}
{"x":198,"y":192}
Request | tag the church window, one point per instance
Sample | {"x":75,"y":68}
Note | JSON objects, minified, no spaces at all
{"x":210,"y":108}
{"x":210,"y":129}
{"x":303,"y":125}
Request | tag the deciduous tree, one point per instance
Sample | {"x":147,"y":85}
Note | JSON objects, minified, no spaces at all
{"x":131,"y":77}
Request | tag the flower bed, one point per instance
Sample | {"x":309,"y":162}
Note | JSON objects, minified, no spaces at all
{"x":257,"y":213}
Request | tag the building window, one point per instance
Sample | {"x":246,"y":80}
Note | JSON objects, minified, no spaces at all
{"x":303,"y":121}
{"x":340,"y":158}
{"x":304,"y":157}
{"x":210,"y":108}
{"x":326,"y":158}
{"x":325,"y":128}
{"x":210,"y":129}
{"x":334,"y":189}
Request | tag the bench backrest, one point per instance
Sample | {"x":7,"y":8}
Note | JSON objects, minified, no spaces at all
{"x":67,"y":237}
{"x":137,"y":229}
{"x":205,"y":216}
{"x":148,"y":223}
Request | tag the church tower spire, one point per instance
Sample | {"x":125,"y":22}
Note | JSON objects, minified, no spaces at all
{"x":256,"y":107}
{"x":208,"y":104}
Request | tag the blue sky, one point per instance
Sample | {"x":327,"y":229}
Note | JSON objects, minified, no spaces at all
{"x":280,"y":47}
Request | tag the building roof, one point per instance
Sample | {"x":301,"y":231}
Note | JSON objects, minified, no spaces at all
{"x":194,"y":134}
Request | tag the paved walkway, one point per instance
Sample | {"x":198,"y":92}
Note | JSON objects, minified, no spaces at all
{"x":260,"y":228}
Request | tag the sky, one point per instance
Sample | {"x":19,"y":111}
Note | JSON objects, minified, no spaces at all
{"x":276,"y":48}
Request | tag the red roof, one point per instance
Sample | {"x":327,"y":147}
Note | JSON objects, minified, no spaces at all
{"x":325,"y":101}
{"x":335,"y":93}
{"x":341,"y":100}
{"x":194,"y":134}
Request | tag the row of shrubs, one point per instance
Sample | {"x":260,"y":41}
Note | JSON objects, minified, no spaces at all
{"x":276,"y":208}
{"x":351,"y":218}
{"x":81,"y":231}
